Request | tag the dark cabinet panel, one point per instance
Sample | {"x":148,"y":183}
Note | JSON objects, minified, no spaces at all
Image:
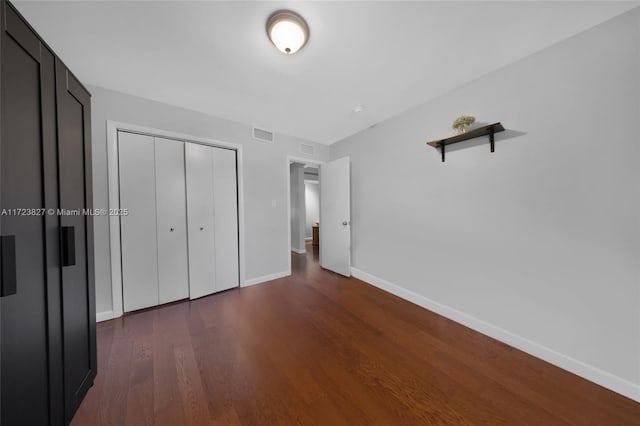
{"x":47,"y":296}
{"x":25,"y":82}
{"x":78,"y":299}
{"x":52,"y":239}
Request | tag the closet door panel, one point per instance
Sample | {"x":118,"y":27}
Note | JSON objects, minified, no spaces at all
{"x":225,"y":213}
{"x":200,"y":220}
{"x":138,"y":228}
{"x":173,"y":273}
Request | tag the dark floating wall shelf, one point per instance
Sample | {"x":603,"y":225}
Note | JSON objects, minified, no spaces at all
{"x":489,"y":130}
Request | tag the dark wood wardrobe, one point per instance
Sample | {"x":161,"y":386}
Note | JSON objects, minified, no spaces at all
{"x":47,"y":300}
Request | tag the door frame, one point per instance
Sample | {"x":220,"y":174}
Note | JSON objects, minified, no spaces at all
{"x":113,"y":127}
{"x":292,"y":159}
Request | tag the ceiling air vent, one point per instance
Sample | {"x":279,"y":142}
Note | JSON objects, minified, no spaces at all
{"x":263,"y":135}
{"x":307,"y":149}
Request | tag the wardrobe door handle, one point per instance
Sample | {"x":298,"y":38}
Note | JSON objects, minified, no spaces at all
{"x":9,"y":283}
{"x":68,"y":245}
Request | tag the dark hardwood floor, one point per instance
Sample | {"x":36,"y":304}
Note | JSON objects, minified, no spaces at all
{"x":319,"y":349}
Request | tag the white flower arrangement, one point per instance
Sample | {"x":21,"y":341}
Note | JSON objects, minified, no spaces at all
{"x":461,"y":123}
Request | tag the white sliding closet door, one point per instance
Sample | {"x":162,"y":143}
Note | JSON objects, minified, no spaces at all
{"x":199,"y":173}
{"x":138,"y":229}
{"x":171,"y":212}
{"x":225,"y":213}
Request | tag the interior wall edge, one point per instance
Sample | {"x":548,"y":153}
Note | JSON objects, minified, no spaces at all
{"x":579,"y":368}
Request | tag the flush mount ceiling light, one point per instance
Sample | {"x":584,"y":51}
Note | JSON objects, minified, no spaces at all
{"x":288,"y":31}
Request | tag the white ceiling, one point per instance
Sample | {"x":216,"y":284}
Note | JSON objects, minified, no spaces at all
{"x":214,"y":57}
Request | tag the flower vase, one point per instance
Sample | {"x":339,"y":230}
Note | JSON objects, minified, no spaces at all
{"x":462,"y":129}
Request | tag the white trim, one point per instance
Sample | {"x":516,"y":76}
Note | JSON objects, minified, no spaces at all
{"x":114,"y":198}
{"x":299,"y":251}
{"x":308,"y":238}
{"x":265,"y":278}
{"x":586,"y":371}
{"x":292,"y":159}
{"x":104,"y":316}
{"x":114,"y":222}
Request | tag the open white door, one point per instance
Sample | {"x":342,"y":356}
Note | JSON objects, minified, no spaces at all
{"x":335,"y":216}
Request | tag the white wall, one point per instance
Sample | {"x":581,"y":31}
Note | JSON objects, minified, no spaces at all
{"x":297,"y":208}
{"x":312,"y":205}
{"x":265,"y":191}
{"x":541,"y":238}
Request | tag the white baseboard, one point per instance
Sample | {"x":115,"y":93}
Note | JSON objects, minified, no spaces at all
{"x":299,"y":251}
{"x":308,"y":238}
{"x":265,"y":278}
{"x":104,"y":316}
{"x":589,"y":372}
{"x":107,"y":315}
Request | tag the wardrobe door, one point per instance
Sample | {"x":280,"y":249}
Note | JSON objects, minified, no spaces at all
{"x":26,"y":92}
{"x":136,"y":162}
{"x":225,"y":213}
{"x":75,"y":192}
{"x":171,"y":212}
{"x":200,"y":219}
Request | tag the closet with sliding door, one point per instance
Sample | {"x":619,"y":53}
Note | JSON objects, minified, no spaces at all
{"x":179,"y":238}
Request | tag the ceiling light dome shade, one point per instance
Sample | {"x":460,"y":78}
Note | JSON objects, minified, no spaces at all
{"x":288,"y":31}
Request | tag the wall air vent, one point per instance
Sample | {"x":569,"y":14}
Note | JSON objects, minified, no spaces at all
{"x":307,"y":149}
{"x":263,"y":135}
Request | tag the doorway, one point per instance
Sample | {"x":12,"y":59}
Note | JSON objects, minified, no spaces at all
{"x":303,"y":213}
{"x":304,"y":202}
{"x":333,"y":238}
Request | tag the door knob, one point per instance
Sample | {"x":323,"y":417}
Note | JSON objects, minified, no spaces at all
{"x":171,"y":230}
{"x":345,"y":223}
{"x":202,"y":228}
